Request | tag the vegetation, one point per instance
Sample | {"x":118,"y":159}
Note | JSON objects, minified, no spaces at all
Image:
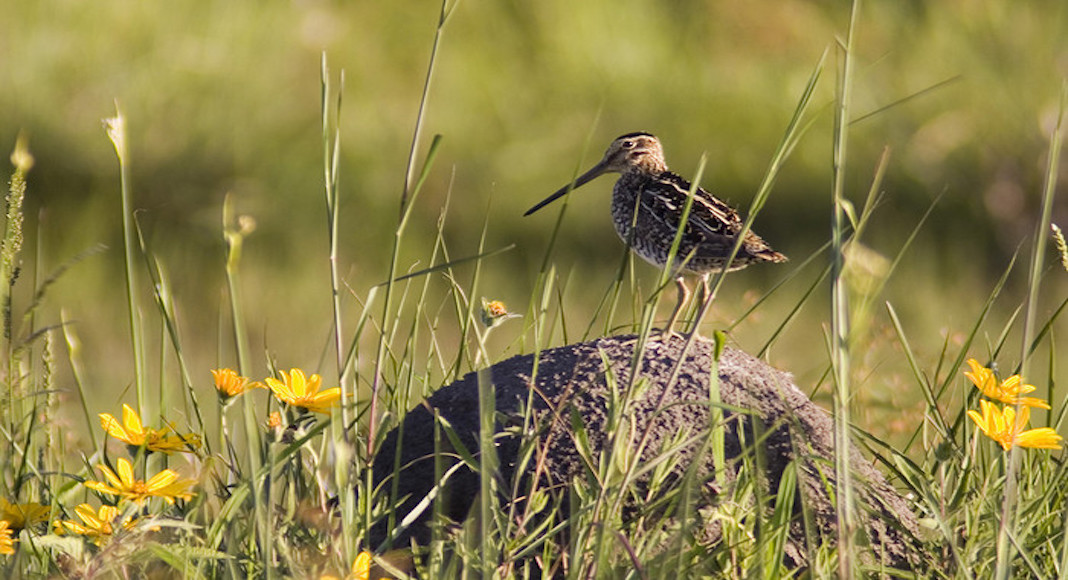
{"x":154,"y":430}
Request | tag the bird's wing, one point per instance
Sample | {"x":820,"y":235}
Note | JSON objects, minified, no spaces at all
{"x":710,"y":217}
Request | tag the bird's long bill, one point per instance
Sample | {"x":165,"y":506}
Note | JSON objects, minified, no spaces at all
{"x":595,"y":171}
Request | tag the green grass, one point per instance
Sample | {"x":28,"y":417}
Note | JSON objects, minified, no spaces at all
{"x":239,"y":85}
{"x":404,"y":319}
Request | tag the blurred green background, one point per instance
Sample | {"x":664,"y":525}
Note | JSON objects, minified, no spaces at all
{"x":225,"y":97}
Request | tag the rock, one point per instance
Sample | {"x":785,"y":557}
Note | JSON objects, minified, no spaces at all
{"x":571,"y":381}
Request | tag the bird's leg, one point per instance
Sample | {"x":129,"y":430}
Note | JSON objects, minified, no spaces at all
{"x":706,"y":291}
{"x":683,"y":298}
{"x":704,"y":294}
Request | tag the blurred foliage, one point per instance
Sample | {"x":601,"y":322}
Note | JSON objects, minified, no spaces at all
{"x":224,"y":97}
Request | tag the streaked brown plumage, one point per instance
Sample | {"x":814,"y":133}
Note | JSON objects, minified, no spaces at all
{"x":660,"y":196}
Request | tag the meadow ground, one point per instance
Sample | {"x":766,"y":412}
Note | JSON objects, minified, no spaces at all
{"x":907,"y":161}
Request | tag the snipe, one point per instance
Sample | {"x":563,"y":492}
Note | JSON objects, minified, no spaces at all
{"x":647,"y":207}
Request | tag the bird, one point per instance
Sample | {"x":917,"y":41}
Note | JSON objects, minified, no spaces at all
{"x":648,"y":202}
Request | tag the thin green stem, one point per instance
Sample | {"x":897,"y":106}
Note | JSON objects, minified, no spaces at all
{"x":417,"y":133}
{"x":234,"y":234}
{"x":116,"y":130}
{"x":1038,"y":257}
{"x":331,"y":159}
{"x":840,"y":355}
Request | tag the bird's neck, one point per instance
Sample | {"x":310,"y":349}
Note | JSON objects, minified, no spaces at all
{"x":649,"y":170}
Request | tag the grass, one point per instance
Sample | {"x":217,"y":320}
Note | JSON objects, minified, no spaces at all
{"x":295,"y":497}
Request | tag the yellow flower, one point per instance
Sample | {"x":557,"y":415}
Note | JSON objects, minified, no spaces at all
{"x":230,"y":384}
{"x":299,"y":391}
{"x":494,"y":312}
{"x":364,"y":565}
{"x":1007,"y":429}
{"x":1008,"y":391}
{"x":7,"y":543}
{"x":274,"y":420}
{"x":134,"y":433}
{"x":165,"y":484}
{"x":23,"y":515}
{"x":361,"y":569}
{"x":96,"y":525}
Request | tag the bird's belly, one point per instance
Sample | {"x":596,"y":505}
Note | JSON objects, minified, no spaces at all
{"x":645,"y":235}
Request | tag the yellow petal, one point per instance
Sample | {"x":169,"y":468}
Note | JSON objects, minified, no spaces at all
{"x":112,"y":427}
{"x":329,"y":395}
{"x":297,"y":383}
{"x":108,"y":513}
{"x":177,"y":489}
{"x":126,"y":473}
{"x":1041,"y":438}
{"x":109,"y":475}
{"x":281,"y":389}
{"x":979,"y":420}
{"x":1024,"y":417}
{"x":131,"y":420}
{"x":65,"y":526}
{"x":161,"y":480}
{"x":1016,"y":385}
{"x":980,"y":375}
{"x":322,"y":402}
{"x":1033,"y":402}
{"x":88,"y":515}
{"x":102,"y":487}
{"x":361,"y":567}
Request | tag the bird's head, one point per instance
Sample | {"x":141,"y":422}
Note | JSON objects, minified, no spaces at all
{"x":631,"y":153}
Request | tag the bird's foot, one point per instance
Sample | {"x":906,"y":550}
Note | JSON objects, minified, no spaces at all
{"x":683,"y":298}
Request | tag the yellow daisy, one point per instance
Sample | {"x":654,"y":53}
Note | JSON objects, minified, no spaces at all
{"x":98,"y":526}
{"x":1008,"y":391}
{"x":1007,"y":429}
{"x":7,"y":543}
{"x":230,"y":384}
{"x":299,"y":391}
{"x":23,"y":515}
{"x":165,"y":484}
{"x":132,"y":432}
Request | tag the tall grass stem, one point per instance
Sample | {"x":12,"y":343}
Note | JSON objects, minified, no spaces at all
{"x":840,"y":355}
{"x":116,"y":130}
{"x":1038,"y":259}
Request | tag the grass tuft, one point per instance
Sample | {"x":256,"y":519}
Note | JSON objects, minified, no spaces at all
{"x":194,"y":483}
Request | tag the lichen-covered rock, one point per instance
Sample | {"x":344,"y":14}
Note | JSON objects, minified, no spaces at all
{"x":571,"y":381}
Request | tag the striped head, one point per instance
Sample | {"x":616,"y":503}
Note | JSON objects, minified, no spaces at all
{"x":640,"y":152}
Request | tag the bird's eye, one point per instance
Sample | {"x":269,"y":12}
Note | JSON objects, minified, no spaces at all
{"x":628,"y":144}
